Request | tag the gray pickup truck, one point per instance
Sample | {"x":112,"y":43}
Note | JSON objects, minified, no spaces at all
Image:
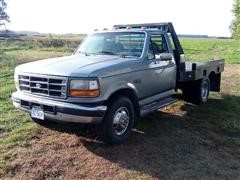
{"x":112,"y":78}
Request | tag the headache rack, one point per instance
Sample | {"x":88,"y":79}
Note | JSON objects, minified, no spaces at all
{"x":167,"y":28}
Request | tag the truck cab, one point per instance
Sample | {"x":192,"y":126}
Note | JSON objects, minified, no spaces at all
{"x":112,"y":78}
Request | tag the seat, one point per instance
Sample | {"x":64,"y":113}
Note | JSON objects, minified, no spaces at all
{"x":117,"y":47}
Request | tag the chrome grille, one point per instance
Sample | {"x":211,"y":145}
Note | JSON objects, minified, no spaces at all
{"x":43,"y":85}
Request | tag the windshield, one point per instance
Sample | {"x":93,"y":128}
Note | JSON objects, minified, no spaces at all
{"x":113,"y":43}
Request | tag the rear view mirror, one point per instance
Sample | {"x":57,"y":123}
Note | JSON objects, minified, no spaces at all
{"x":166,"y":57}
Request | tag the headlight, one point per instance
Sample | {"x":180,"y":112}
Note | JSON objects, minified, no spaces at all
{"x":84,"y":88}
{"x":16,"y":80}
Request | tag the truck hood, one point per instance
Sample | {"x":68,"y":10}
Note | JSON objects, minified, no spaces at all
{"x":75,"y":65}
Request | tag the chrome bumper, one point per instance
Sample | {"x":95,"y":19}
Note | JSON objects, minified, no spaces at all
{"x":60,"y":111}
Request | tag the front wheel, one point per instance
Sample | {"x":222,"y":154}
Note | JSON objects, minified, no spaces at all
{"x":118,"y":121}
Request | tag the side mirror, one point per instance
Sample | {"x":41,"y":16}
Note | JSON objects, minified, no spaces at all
{"x":166,"y":57}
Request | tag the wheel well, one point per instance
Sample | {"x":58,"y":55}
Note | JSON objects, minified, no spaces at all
{"x":129,"y":94}
{"x":215,"y":80}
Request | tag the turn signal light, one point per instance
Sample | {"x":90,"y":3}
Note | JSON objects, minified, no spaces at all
{"x":84,"y":93}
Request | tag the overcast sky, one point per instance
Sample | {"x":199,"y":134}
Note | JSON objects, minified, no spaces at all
{"x":210,"y":17}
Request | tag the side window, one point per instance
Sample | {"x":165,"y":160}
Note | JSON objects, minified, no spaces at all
{"x":157,"y":46}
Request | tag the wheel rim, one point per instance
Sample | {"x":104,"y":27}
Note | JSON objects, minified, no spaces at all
{"x":205,"y":90}
{"x":121,"y":121}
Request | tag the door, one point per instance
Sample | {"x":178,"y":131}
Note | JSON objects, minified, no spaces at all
{"x":162,"y":72}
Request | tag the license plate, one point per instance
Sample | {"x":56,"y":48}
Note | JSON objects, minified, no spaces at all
{"x":37,"y":112}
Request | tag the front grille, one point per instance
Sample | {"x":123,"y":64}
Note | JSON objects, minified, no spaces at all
{"x":43,"y":85}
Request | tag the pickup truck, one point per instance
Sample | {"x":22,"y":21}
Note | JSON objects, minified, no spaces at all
{"x":113,"y":78}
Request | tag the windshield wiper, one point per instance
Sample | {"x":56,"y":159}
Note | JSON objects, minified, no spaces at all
{"x":106,"y":52}
{"x":111,"y":53}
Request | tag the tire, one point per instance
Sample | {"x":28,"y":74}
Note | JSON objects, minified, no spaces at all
{"x":118,"y":121}
{"x":203,"y":89}
{"x":197,"y":92}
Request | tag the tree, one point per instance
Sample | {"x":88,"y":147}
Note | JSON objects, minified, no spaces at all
{"x":235,"y":26}
{"x":3,"y":15}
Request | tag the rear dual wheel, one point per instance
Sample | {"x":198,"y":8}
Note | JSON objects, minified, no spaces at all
{"x":204,"y":88}
{"x":197,"y":92}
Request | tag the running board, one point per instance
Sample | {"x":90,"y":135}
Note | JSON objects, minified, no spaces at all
{"x":148,"y":108}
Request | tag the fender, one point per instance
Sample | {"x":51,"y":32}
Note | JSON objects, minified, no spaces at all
{"x":119,"y":86}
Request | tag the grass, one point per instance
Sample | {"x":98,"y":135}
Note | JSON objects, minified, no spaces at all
{"x":204,"y":49}
{"x":180,"y":141}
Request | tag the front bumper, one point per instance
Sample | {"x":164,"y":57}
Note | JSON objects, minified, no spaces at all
{"x":60,"y":111}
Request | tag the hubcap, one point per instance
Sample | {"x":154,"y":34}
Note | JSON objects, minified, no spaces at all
{"x":204,"y":90}
{"x":121,"y":121}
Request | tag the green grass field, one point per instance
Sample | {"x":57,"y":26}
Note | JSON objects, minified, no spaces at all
{"x":182,"y":140}
{"x":204,"y":49}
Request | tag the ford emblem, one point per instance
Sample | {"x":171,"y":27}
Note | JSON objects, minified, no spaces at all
{"x":38,"y":85}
